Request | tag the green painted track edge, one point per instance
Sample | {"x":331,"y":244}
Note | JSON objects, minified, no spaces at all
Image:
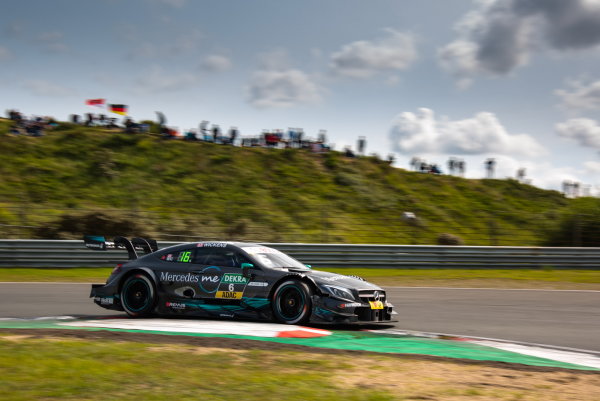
{"x":350,"y":341}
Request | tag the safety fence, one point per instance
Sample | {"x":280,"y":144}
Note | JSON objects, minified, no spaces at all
{"x":72,"y":253}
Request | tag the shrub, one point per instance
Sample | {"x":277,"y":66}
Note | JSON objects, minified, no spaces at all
{"x":75,"y":226}
{"x":449,"y":239}
{"x":578,"y":226}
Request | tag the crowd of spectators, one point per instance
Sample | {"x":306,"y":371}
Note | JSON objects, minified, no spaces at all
{"x":100,"y":120}
{"x":32,"y":126}
{"x":294,"y":138}
{"x":420,"y":165}
{"x":277,"y":138}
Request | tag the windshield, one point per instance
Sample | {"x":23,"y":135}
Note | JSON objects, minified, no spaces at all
{"x":273,"y":258}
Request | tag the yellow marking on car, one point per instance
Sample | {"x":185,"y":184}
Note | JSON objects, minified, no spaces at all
{"x":230,"y":295}
{"x":376,"y":304}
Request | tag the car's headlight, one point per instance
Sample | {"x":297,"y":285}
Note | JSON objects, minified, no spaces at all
{"x":339,"y":292}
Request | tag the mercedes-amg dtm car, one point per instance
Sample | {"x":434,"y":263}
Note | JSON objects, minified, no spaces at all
{"x":233,"y":280}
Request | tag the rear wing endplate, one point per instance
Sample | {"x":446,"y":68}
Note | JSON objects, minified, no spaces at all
{"x":99,"y":243}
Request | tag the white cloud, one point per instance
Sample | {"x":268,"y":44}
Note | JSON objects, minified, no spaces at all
{"x":44,"y":88}
{"x":5,"y":54}
{"x":363,"y":59}
{"x":216,"y":63}
{"x":278,"y":59}
{"x":592,"y":167}
{"x":583,"y":96}
{"x":501,"y":35}
{"x":281,"y":88}
{"x":422,"y":132}
{"x":156,"y":80}
{"x":584,"y":131}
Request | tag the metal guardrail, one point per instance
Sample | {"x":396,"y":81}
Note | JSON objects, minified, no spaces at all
{"x":72,"y":253}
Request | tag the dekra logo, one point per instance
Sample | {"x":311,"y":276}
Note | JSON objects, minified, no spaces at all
{"x":231,"y":278}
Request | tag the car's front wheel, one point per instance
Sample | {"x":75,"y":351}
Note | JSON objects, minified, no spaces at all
{"x":138,"y":295}
{"x":292,"y":302}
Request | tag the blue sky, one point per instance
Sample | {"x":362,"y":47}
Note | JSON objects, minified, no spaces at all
{"x":517,"y":80}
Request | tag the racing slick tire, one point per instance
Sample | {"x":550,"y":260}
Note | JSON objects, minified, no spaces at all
{"x":292,"y":303}
{"x":138,"y":295}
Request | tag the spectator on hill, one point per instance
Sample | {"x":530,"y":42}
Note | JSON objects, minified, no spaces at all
{"x":233,"y":134}
{"x":490,"y":164}
{"x":14,"y":115}
{"x":162,"y":120}
{"x":461,"y":166}
{"x":348,"y":152}
{"x":190,"y":135}
{"x":203,"y":130}
{"x":216,"y":133}
{"x":299,"y":136}
{"x":130,"y":126}
{"x":271,"y":139}
{"x":322,"y":136}
{"x":414,"y":163}
{"x":362,"y":144}
{"x":89,"y":119}
{"x":451,"y":165}
{"x":521,"y":174}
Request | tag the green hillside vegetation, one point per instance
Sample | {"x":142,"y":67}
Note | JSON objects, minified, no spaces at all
{"x":77,"y":179}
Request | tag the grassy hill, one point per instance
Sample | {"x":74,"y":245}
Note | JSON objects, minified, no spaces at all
{"x":78,"y":179}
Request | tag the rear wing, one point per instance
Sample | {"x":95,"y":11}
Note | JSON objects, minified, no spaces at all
{"x":99,"y":243}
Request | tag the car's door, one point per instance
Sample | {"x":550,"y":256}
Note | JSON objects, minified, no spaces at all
{"x":220,"y":275}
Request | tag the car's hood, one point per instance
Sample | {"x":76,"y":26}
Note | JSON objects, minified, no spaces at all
{"x":340,"y":280}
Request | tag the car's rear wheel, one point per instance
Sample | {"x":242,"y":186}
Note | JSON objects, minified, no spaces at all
{"x":292,"y":302}
{"x":138,"y":295}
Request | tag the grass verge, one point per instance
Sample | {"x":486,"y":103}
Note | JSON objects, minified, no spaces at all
{"x":57,"y":368}
{"x":508,"y":278}
{"x":81,"y":274}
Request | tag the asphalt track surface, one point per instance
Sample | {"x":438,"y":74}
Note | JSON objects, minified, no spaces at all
{"x":559,"y":318}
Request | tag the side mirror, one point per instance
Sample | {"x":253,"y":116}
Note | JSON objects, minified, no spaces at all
{"x":245,"y":269}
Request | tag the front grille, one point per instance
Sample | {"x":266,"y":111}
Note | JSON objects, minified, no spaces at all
{"x":369,"y":295}
{"x":372,"y":315}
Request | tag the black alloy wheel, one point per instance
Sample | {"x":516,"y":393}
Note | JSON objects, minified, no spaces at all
{"x":292,"y":302}
{"x":138,"y":295}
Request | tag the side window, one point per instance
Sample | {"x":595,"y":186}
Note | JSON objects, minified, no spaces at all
{"x":202,"y":255}
{"x":182,"y":256}
{"x":220,"y":257}
{"x":242,"y":259}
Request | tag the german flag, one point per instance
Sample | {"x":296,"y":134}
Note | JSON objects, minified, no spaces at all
{"x":118,"y":109}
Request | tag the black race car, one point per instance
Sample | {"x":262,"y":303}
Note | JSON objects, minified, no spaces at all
{"x":233,"y":280}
